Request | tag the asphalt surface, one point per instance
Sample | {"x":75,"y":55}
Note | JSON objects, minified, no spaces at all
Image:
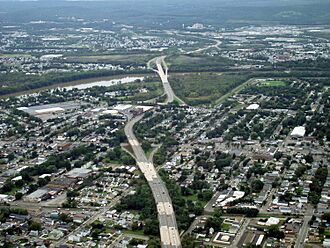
{"x":164,"y":77}
{"x":169,"y":233}
{"x":238,"y":239}
{"x":162,"y":71}
{"x":304,"y":228}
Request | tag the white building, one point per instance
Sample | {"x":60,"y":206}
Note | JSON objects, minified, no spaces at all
{"x":253,"y":106}
{"x":298,"y":132}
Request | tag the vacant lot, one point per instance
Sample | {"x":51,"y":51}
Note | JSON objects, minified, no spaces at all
{"x":204,"y":88}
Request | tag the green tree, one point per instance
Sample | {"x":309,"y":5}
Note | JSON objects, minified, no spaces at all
{"x":18,"y":196}
{"x":154,"y":243}
{"x":151,"y":227}
{"x":273,"y":231}
{"x":326,"y":216}
{"x":188,"y":241}
{"x":65,"y":218}
{"x":257,"y":185}
{"x":35,"y":225}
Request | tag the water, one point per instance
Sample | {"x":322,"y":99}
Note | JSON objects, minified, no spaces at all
{"x":105,"y":83}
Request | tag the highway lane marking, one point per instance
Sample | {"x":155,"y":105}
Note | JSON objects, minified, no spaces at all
{"x":174,"y":236}
{"x":169,"y":235}
{"x":168,"y":208}
{"x":165,"y":235}
{"x":161,"y":208}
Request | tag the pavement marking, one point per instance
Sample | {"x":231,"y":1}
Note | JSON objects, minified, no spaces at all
{"x":165,"y":235}
{"x":161,"y":208}
{"x":168,"y":208}
{"x":174,"y":236}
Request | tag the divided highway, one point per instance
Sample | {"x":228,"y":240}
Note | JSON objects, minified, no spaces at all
{"x":169,"y":233}
{"x":162,"y":71}
{"x":164,"y":77}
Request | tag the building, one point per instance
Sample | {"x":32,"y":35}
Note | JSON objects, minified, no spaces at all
{"x":79,"y":173}
{"x":253,"y":106}
{"x":298,"y":132}
{"x":37,"y":195}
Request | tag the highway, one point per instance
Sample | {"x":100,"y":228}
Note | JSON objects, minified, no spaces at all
{"x":162,"y":71}
{"x":164,"y":77}
{"x":216,"y":45}
{"x":169,"y":233}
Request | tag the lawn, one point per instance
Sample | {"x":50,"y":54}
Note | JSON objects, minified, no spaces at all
{"x":155,"y":89}
{"x":12,"y":55}
{"x":273,"y":83}
{"x":225,"y":227}
{"x":182,"y":60}
{"x":327,"y":233}
{"x":194,"y":198}
{"x":204,"y":88}
{"x":136,"y":232}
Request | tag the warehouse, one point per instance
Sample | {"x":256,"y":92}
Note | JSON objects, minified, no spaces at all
{"x":298,"y":132}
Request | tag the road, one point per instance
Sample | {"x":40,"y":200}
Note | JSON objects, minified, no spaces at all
{"x":216,"y":45}
{"x":169,"y":233}
{"x":164,"y":77}
{"x":93,"y":218}
{"x":304,"y":228}
{"x":162,"y":71}
{"x":240,"y":233}
{"x":269,"y":200}
{"x":124,"y":235}
{"x":196,"y":221}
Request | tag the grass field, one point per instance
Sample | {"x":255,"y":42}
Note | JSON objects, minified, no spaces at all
{"x":204,"y":88}
{"x":155,"y":89}
{"x":273,"y":83}
{"x":182,"y":59}
{"x":9,"y":55}
{"x":141,"y":59}
{"x":195,"y":62}
{"x":327,"y":233}
{"x":225,"y":227}
{"x":234,"y":91}
{"x":194,"y":198}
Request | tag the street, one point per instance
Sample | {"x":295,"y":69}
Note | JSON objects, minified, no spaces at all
{"x":304,"y":228}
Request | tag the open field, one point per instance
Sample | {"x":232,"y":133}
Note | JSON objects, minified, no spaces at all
{"x":12,"y":55}
{"x":272,"y":83}
{"x":154,"y":90}
{"x":234,"y":91}
{"x":204,"y":88}
{"x":197,"y":63}
{"x":124,"y":59}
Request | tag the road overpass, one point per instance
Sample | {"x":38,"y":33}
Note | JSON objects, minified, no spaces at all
{"x":162,"y":71}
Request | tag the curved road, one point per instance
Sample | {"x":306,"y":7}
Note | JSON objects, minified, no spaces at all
{"x":162,"y":71}
{"x":169,"y":233}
